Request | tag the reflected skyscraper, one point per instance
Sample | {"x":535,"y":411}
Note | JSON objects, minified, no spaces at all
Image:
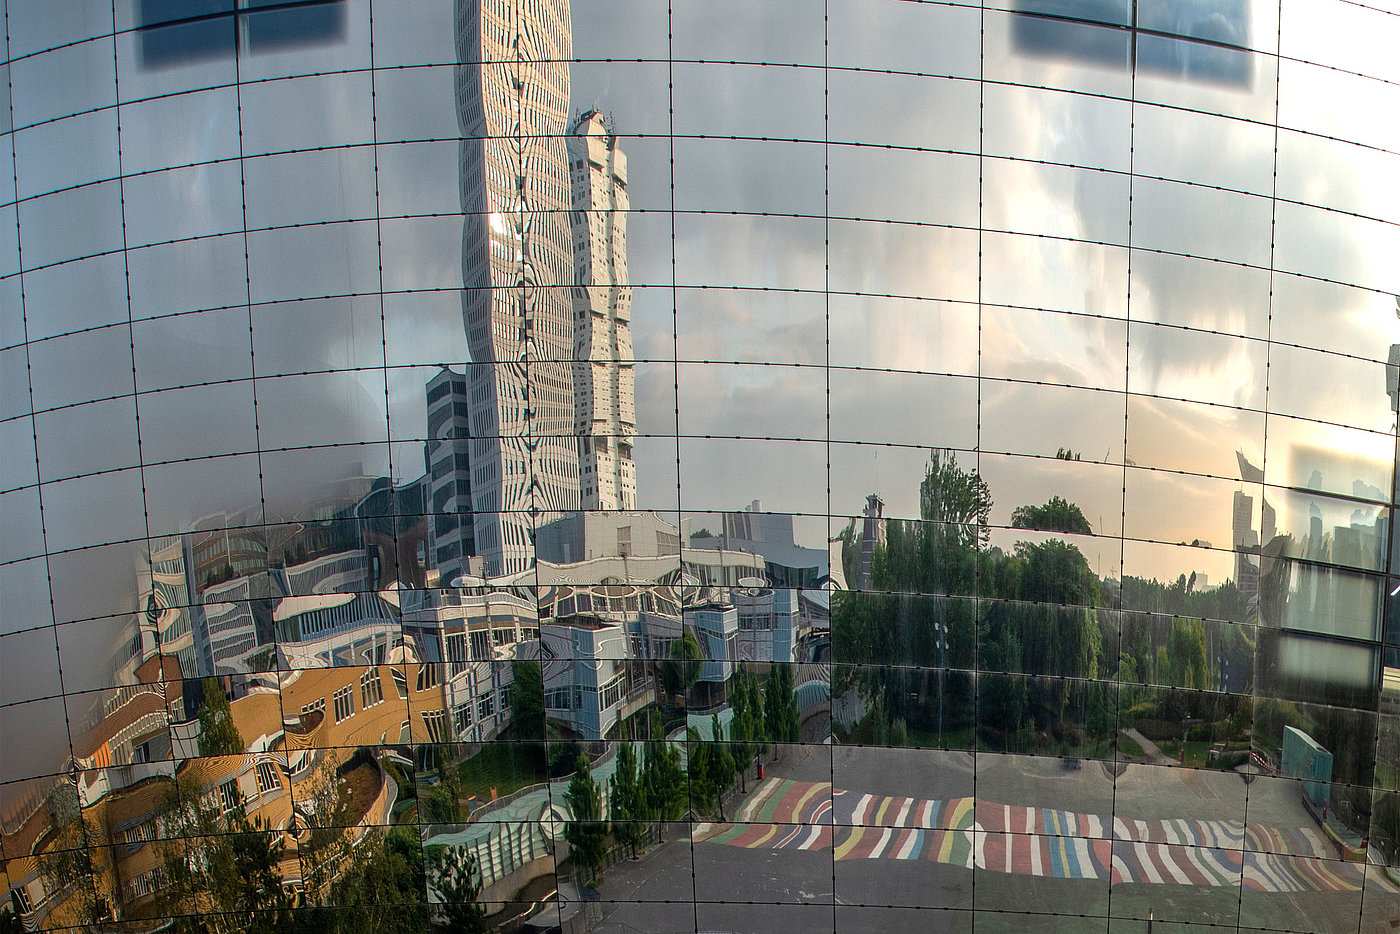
{"x":604,"y":383}
{"x":517,"y":261}
{"x":448,"y":464}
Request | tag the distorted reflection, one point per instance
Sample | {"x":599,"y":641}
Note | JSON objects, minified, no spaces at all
{"x":627,"y":467}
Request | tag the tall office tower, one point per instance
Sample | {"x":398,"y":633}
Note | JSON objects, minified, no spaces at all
{"x":605,"y":407}
{"x":1246,"y":544}
{"x":452,"y":537}
{"x":517,"y":261}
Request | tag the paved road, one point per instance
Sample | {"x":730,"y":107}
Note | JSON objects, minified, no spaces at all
{"x":902,"y":829}
{"x":1038,"y":841}
{"x":1151,"y":749}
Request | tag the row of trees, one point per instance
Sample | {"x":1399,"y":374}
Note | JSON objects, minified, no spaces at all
{"x":660,"y":787}
{"x":940,"y":598}
{"x":225,"y":873}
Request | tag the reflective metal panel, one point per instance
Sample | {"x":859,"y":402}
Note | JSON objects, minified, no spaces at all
{"x":854,"y":465}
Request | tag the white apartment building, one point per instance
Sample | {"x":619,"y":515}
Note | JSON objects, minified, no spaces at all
{"x":605,"y":416}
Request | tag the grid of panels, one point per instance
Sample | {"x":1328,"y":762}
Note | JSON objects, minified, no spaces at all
{"x":304,"y":553}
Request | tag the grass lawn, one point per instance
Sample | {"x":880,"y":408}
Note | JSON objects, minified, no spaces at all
{"x":506,"y":767}
{"x":1129,"y":747}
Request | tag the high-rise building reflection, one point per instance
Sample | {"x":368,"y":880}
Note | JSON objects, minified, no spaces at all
{"x":517,"y":263}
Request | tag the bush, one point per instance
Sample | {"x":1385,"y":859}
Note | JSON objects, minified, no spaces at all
{"x":562,"y":757}
{"x":1230,"y":761}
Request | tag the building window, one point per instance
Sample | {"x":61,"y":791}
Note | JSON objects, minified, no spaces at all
{"x":181,"y":33}
{"x":486,"y":707}
{"x":147,"y":882}
{"x":462,"y":717}
{"x":456,"y":646}
{"x":141,"y":833}
{"x":230,"y":801}
{"x":267,"y":777}
{"x":400,"y":682}
{"x":21,"y":899}
{"x":481,"y":645}
{"x":612,"y":692}
{"x":319,"y":704}
{"x":435,"y":721}
{"x":427,"y":677}
{"x":344,"y":704}
{"x":371,"y":688}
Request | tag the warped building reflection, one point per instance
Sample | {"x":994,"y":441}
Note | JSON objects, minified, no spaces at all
{"x":517,"y":263}
{"x":382,"y":386}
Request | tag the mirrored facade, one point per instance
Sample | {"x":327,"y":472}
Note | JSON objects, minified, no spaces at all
{"x":621,"y":465}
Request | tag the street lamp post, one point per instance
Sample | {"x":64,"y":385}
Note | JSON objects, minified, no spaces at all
{"x":942,"y":673}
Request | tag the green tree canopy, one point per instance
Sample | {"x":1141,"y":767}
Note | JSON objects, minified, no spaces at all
{"x":741,"y":733}
{"x":664,"y":780}
{"x":218,"y":736}
{"x":680,"y":672}
{"x":1056,"y":572}
{"x":1057,"y":515}
{"x":221,"y":869}
{"x":722,"y":764}
{"x":780,"y":712}
{"x":455,"y":877}
{"x":587,"y":833}
{"x":955,"y":497}
{"x":385,"y":880}
{"x":527,"y":700}
{"x":701,"y":770}
{"x":628,"y":805}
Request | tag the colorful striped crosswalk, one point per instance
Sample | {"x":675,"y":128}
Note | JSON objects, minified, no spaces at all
{"x":1050,"y":842}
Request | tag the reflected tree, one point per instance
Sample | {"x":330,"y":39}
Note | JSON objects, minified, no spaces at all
{"x":457,"y":881}
{"x":587,"y":833}
{"x":664,"y":781}
{"x":956,"y":498}
{"x":221,"y":869}
{"x":1057,"y":515}
{"x":741,"y":729}
{"x":64,"y":861}
{"x":384,"y":881}
{"x":218,"y":735}
{"x":780,"y":712}
{"x":699,"y":770}
{"x":526,"y":700}
{"x":722,"y":764}
{"x":681,"y":671}
{"x":629,"y":808}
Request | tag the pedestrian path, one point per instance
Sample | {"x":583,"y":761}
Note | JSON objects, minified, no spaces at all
{"x":1048,"y":842}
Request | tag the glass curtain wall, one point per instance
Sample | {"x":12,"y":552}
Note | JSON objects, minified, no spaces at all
{"x":704,"y":465}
